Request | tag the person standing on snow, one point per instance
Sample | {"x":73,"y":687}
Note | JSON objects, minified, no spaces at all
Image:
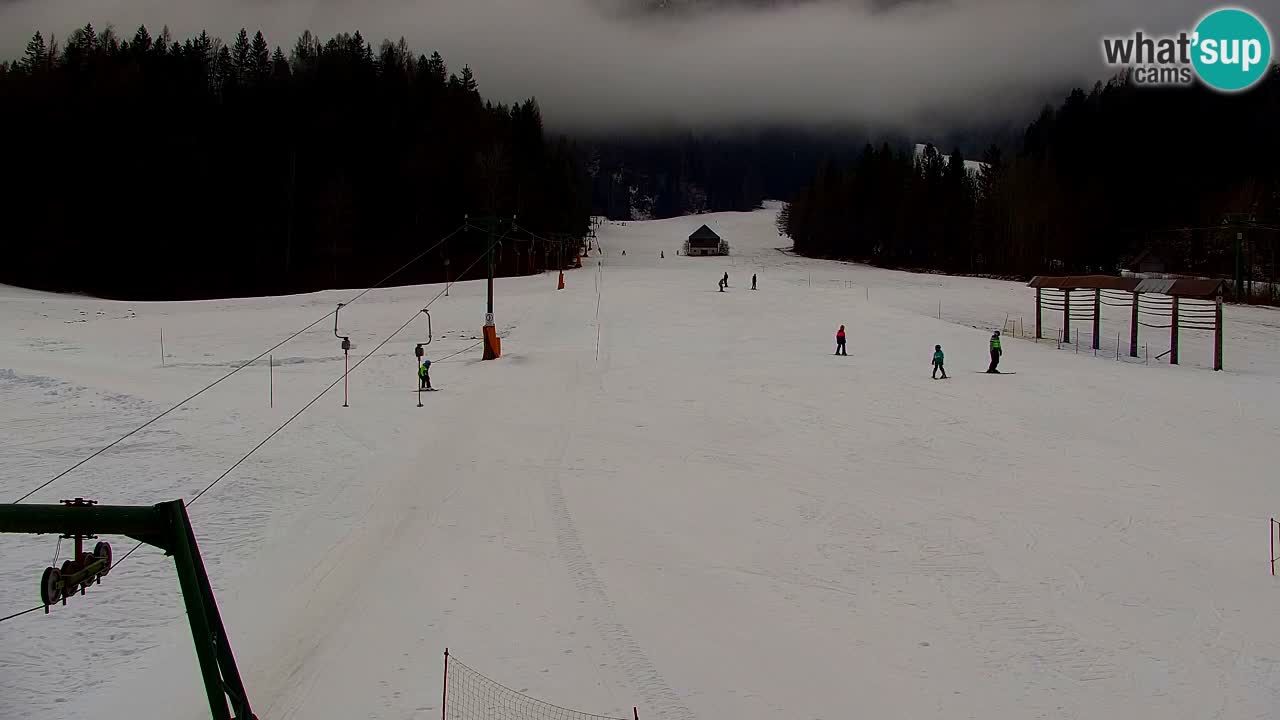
{"x":726,"y":279}
{"x":938,"y":360}
{"x":720,"y":284}
{"x":424,"y":376}
{"x":996,"y":352}
{"x":840,"y":341}
{"x":753,"y":281}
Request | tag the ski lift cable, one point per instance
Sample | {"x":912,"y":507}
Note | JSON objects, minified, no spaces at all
{"x":234,"y":370}
{"x":322,"y":393}
{"x":283,"y":425}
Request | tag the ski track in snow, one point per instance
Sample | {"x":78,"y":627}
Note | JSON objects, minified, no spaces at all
{"x":661,"y":495}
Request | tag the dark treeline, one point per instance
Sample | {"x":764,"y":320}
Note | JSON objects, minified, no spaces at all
{"x":1105,"y":176}
{"x":151,"y":168}
{"x":666,"y":175}
{"x":681,"y":174}
{"x":638,"y":178}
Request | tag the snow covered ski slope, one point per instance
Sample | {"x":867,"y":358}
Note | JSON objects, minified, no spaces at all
{"x":661,"y":496}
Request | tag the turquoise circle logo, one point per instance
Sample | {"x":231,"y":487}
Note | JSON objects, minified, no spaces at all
{"x":1232,"y":49}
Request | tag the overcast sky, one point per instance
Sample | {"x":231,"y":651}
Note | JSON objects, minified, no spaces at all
{"x":924,"y":65}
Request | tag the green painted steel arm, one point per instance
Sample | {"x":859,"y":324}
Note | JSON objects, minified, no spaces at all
{"x":144,"y":523}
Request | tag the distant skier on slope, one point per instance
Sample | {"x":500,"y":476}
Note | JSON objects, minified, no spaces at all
{"x":840,"y":342}
{"x":726,"y":279}
{"x":996,"y":352}
{"x":753,"y":281}
{"x":938,"y":360}
{"x":424,"y":375}
{"x":720,"y":284}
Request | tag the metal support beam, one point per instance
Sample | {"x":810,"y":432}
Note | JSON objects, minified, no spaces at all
{"x":197,"y":614}
{"x":144,"y":523}
{"x":1039,"y":334}
{"x":1066,"y":316}
{"x":489,"y":262}
{"x":1097,"y":319}
{"x":1217,"y":334}
{"x":231,"y":683}
{"x":1133,"y":328}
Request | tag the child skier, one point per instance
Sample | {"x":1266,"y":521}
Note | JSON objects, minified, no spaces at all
{"x":996,"y":352}
{"x":840,"y":341}
{"x":938,"y":359}
{"x":424,"y":376}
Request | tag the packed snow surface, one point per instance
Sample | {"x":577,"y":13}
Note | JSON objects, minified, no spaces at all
{"x":661,"y":496}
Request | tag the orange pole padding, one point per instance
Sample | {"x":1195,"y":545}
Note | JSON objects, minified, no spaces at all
{"x":492,"y":343}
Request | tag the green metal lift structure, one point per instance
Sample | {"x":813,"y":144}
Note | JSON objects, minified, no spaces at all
{"x":165,"y":526}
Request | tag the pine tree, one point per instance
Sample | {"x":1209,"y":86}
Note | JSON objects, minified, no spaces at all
{"x":468,"y":80}
{"x":259,"y":58}
{"x":437,"y":70}
{"x":240,"y":58}
{"x":36,"y":58}
{"x":89,"y":38}
{"x":362,"y":50}
{"x":279,"y":66}
{"x":202,"y":50}
{"x":141,"y":43}
{"x":221,"y":72}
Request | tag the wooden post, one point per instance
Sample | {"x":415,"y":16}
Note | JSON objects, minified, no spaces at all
{"x":1217,"y":334}
{"x":1173,"y":334}
{"x":1066,"y":315}
{"x":161,"y":347}
{"x":1039,"y":330}
{"x":1133,"y":328}
{"x":271,"y":382}
{"x":1097,"y":319}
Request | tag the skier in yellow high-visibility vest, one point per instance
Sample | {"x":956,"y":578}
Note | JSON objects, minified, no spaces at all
{"x":995,"y":352}
{"x":424,"y":376}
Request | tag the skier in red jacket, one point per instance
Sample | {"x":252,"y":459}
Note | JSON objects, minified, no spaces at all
{"x":840,"y":341}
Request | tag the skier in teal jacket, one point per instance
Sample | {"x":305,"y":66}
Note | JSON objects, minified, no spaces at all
{"x":938,"y":360}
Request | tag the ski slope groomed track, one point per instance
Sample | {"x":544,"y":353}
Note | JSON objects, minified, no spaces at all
{"x":661,"y":496}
